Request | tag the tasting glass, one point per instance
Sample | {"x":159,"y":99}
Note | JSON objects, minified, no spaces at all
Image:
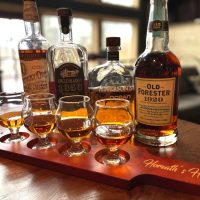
{"x":11,"y":105}
{"x":39,"y":117}
{"x":113,"y":128}
{"x":74,"y":121}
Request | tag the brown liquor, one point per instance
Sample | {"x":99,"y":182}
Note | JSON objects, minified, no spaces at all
{"x":40,"y":124}
{"x":158,"y":66}
{"x":113,"y":135}
{"x":75,"y":128}
{"x":156,"y":78}
{"x":11,"y":120}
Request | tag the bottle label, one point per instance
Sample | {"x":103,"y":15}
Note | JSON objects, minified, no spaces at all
{"x":154,"y":101}
{"x":30,"y":12}
{"x":69,"y":80}
{"x":158,"y":25}
{"x":34,"y":71}
{"x":122,"y":92}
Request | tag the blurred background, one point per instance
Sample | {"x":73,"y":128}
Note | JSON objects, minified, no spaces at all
{"x":93,"y":21}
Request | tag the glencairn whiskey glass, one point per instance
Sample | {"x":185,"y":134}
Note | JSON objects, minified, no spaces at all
{"x":39,"y":117}
{"x":113,"y":128}
{"x":74,"y":121}
{"x":11,"y":105}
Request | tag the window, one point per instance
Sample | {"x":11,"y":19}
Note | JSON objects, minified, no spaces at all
{"x":126,"y":3}
{"x":9,"y":59}
{"x":51,"y":32}
{"x":127,"y":31}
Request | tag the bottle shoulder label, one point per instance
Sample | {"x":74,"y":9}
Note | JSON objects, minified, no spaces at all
{"x":158,"y":25}
{"x":154,"y":100}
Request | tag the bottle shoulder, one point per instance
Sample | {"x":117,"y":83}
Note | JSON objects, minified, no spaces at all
{"x":110,"y":73}
{"x":33,"y":42}
{"x":155,"y":58}
{"x":160,"y":64}
{"x":63,"y":52}
{"x":63,"y":47}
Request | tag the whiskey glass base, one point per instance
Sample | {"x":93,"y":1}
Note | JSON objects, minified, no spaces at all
{"x":72,"y":151}
{"x":161,"y":141}
{"x":34,"y":144}
{"x":8,"y":138}
{"x":103,"y":157}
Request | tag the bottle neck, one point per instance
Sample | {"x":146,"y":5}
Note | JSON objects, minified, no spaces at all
{"x":157,"y":31}
{"x":31,"y":18}
{"x":113,"y":53}
{"x":65,"y":22}
{"x":32,"y":28}
{"x":66,"y":36}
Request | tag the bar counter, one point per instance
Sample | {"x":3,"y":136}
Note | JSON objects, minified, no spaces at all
{"x":23,"y":181}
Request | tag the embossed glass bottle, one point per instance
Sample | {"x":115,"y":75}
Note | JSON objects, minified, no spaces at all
{"x":112,"y":79}
{"x":32,"y":52}
{"x":156,"y":77}
{"x":67,"y":61}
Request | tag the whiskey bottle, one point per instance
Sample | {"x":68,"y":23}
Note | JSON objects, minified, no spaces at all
{"x":111,"y":79}
{"x":67,"y":61}
{"x":156,"y":77}
{"x":32,"y":52}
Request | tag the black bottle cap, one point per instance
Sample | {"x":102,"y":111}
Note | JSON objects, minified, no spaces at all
{"x":112,"y":41}
{"x":64,"y":12}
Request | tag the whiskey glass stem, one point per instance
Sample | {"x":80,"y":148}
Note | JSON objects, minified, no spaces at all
{"x":43,"y":141}
{"x":14,"y":134}
{"x":76,"y":147}
{"x":113,"y":154}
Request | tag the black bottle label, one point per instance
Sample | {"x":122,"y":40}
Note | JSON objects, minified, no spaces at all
{"x":69,"y":80}
{"x":158,"y":25}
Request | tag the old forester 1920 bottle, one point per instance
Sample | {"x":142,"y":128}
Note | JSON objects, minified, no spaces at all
{"x":156,"y":76}
{"x":32,"y":52}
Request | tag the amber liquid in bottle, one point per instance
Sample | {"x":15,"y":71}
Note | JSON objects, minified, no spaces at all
{"x":159,"y":65}
{"x":156,"y":76}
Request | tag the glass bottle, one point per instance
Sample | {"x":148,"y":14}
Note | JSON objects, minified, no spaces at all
{"x":111,"y":79}
{"x":67,"y":61}
{"x":32,"y":52}
{"x":156,"y":77}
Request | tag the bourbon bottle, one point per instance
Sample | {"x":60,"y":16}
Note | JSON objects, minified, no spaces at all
{"x":32,"y":52}
{"x":67,"y":61}
{"x":111,"y":79}
{"x":156,"y":79}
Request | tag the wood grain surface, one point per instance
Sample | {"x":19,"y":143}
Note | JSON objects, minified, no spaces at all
{"x":23,"y":181}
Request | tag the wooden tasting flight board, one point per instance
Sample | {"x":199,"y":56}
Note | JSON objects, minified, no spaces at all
{"x":175,"y":167}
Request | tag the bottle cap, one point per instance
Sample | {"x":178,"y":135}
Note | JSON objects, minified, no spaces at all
{"x":64,"y":12}
{"x":112,"y":41}
{"x":30,"y":12}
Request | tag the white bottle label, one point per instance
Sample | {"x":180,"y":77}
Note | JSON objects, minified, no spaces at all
{"x":34,"y":71}
{"x":154,"y":100}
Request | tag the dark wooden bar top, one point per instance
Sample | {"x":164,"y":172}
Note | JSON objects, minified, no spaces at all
{"x":24,"y":181}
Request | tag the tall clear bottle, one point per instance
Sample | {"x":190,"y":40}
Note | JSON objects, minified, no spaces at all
{"x":32,"y":52}
{"x":156,"y":77}
{"x":67,"y":61}
{"x":112,"y":79}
